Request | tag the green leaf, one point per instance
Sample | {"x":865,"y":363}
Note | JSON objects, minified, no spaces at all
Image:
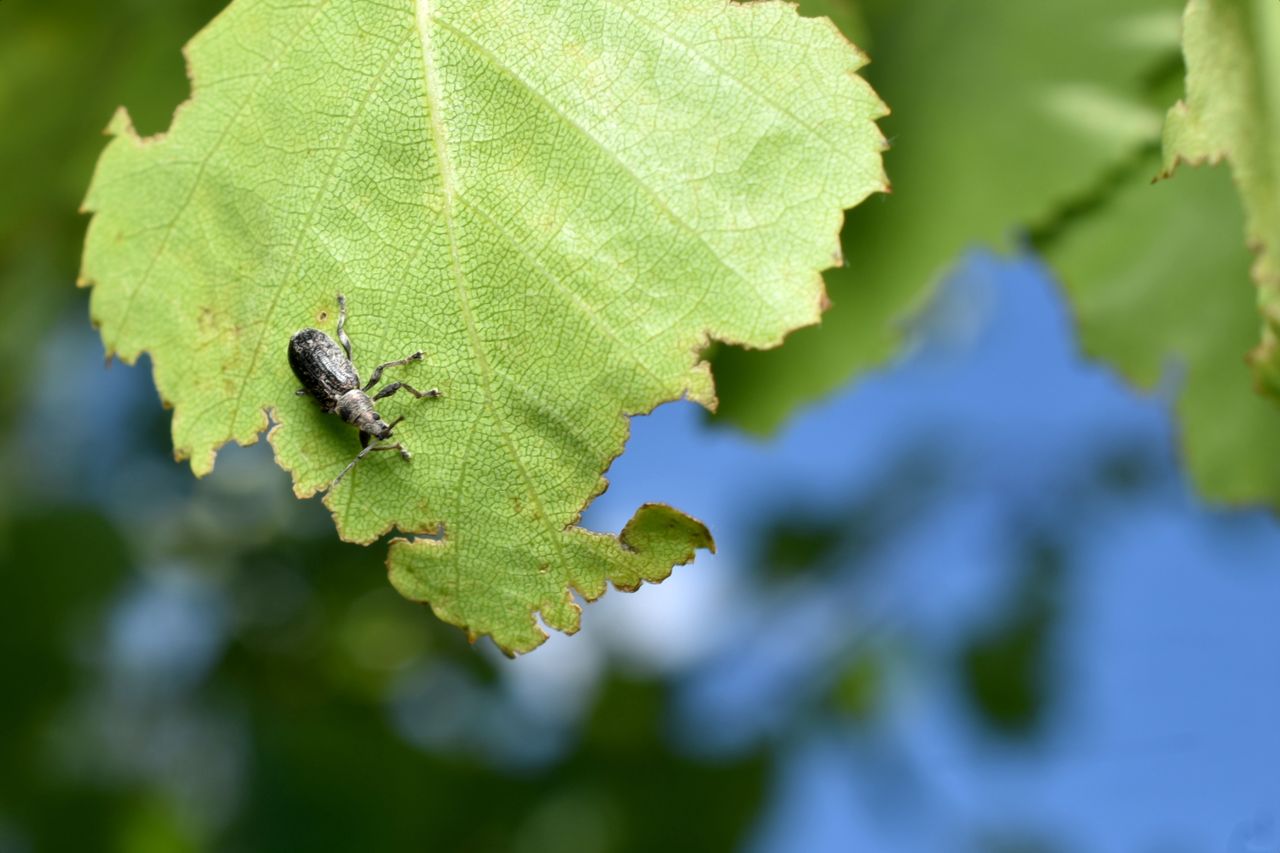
{"x":1158,"y":275}
{"x":1002,"y":112}
{"x":560,"y":202}
{"x":1157,"y":278}
{"x":1232,"y":112}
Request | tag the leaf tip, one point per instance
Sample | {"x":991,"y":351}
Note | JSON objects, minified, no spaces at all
{"x":657,"y":527}
{"x":701,"y":387}
{"x":121,"y":124}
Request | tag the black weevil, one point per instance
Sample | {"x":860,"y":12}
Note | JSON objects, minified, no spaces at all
{"x":326,"y":373}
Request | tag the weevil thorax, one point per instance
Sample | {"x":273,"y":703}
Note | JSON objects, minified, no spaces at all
{"x":356,"y":408}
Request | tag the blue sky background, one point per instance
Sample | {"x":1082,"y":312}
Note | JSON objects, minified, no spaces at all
{"x":1165,"y":659}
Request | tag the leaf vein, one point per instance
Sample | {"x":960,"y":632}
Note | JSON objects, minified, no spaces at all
{"x":661,"y":203}
{"x":439,"y":140}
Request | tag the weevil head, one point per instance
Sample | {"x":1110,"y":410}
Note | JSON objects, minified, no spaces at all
{"x":356,"y":408}
{"x":373,"y":424}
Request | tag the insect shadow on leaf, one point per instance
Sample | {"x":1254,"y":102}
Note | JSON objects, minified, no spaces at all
{"x":327,"y":374}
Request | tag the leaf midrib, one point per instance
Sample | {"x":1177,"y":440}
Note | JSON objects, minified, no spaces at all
{"x":434,"y":104}
{"x":488,"y":56}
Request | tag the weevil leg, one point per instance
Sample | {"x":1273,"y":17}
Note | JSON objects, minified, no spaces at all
{"x":403,"y":451}
{"x":377,"y":371}
{"x":373,"y":448}
{"x":301,"y":392}
{"x":396,"y":386}
{"x":342,"y":324}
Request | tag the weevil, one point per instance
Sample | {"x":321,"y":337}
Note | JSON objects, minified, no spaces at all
{"x":328,"y":374}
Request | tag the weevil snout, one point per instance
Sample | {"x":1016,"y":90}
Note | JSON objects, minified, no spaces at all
{"x":376,"y":426}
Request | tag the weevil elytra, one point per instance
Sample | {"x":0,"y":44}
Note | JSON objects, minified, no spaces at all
{"x":328,"y":374}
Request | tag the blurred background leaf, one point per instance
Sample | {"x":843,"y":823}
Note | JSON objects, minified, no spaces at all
{"x":64,"y":68}
{"x":1158,"y":279}
{"x":1000,"y":114}
{"x":1229,"y":113}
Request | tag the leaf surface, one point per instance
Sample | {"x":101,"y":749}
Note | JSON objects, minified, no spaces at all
{"x":559,"y":202}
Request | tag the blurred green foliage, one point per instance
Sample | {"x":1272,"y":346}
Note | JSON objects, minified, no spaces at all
{"x":1158,"y":275}
{"x":44,"y":610}
{"x":996,"y":121}
{"x":64,"y":68}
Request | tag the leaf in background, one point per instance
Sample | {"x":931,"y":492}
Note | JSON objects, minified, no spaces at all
{"x":1232,"y":112}
{"x":558,"y":202}
{"x":1156,"y":278}
{"x":1001,"y":113}
{"x":63,"y":67}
